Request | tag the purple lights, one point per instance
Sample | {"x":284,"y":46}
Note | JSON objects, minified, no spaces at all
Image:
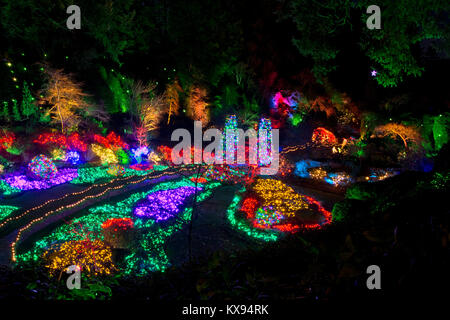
{"x":162,"y":205}
{"x":23,"y":182}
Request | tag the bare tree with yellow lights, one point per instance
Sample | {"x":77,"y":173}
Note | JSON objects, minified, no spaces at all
{"x":66,"y":98}
{"x":197,"y":105}
{"x":147,"y":109}
{"x":408,"y":134}
{"x":173,"y":99}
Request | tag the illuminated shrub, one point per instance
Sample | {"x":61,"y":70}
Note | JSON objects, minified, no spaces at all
{"x":73,"y":157}
{"x":139,"y":153}
{"x":7,"y":140}
{"x":107,"y":156}
{"x":123,"y":157}
{"x":323,"y":136}
{"x":59,"y":154}
{"x":116,"y":170}
{"x":166,"y":153}
{"x":41,"y":167}
{"x":93,"y":257}
{"x":119,"y":232}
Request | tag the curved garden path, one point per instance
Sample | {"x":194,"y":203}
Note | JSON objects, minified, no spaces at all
{"x":30,"y":220}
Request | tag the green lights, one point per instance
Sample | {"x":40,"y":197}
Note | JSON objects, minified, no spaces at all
{"x":149,"y":254}
{"x":243,"y":226}
{"x":5,"y":211}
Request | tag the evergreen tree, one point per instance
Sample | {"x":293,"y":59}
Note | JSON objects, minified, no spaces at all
{"x":28,"y":107}
{"x":15,"y":110}
{"x":5,"y":112}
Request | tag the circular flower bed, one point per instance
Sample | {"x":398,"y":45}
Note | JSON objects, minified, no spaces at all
{"x":271,"y":204}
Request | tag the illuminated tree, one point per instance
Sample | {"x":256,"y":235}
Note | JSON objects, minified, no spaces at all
{"x":408,"y":134}
{"x":147,"y":110}
{"x":15,"y":110}
{"x":5,"y":112}
{"x":172,"y":98}
{"x":65,"y":97}
{"x":197,"y":105}
{"x":28,"y":107}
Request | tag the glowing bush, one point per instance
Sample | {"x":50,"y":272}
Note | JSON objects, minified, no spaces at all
{"x":116,"y":170}
{"x":73,"y":157}
{"x":92,"y":257}
{"x":7,"y":140}
{"x":107,"y":156}
{"x":41,"y":167}
{"x":58,"y":154}
{"x":119,"y":232}
{"x":323,"y":136}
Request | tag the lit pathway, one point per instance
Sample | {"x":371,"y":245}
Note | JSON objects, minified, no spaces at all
{"x":25,"y":223}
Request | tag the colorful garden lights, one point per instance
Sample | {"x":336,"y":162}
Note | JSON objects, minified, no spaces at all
{"x":22,"y":182}
{"x":7,"y":140}
{"x":231,"y":137}
{"x":265,"y":142}
{"x":72,"y":205}
{"x":118,"y":232}
{"x":106,"y":155}
{"x":42,"y":167}
{"x":92,"y":257}
{"x":116,"y":170}
{"x":278,"y":195}
{"x":243,"y":226}
{"x":323,"y":136}
{"x":118,"y":223}
{"x":72,"y":142}
{"x":267,"y":216}
{"x":139,"y":152}
{"x":111,"y":141}
{"x":163,"y":205}
{"x":73,"y":157}
{"x":249,"y":206}
{"x":6,"y":211}
{"x":153,"y":256}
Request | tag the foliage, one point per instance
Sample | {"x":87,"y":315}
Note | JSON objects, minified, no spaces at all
{"x":405,"y":25}
{"x":66,"y":98}
{"x":28,"y":106}
{"x":405,"y":133}
{"x":197,"y":105}
{"x":172,"y":97}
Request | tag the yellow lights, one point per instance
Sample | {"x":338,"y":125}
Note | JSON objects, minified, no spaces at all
{"x":106,"y":155}
{"x":9,"y":64}
{"x":154,"y":157}
{"x":317,"y":173}
{"x":14,"y":79}
{"x":279,"y":196}
{"x":125,"y":182}
{"x":92,"y":257}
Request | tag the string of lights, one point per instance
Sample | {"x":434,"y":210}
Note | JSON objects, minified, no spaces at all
{"x":72,"y":205}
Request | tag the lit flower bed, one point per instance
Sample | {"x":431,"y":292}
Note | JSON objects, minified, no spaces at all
{"x":163,"y":205}
{"x":92,"y":257}
{"x":23,"y":182}
{"x":149,"y":254}
{"x":272,"y":206}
